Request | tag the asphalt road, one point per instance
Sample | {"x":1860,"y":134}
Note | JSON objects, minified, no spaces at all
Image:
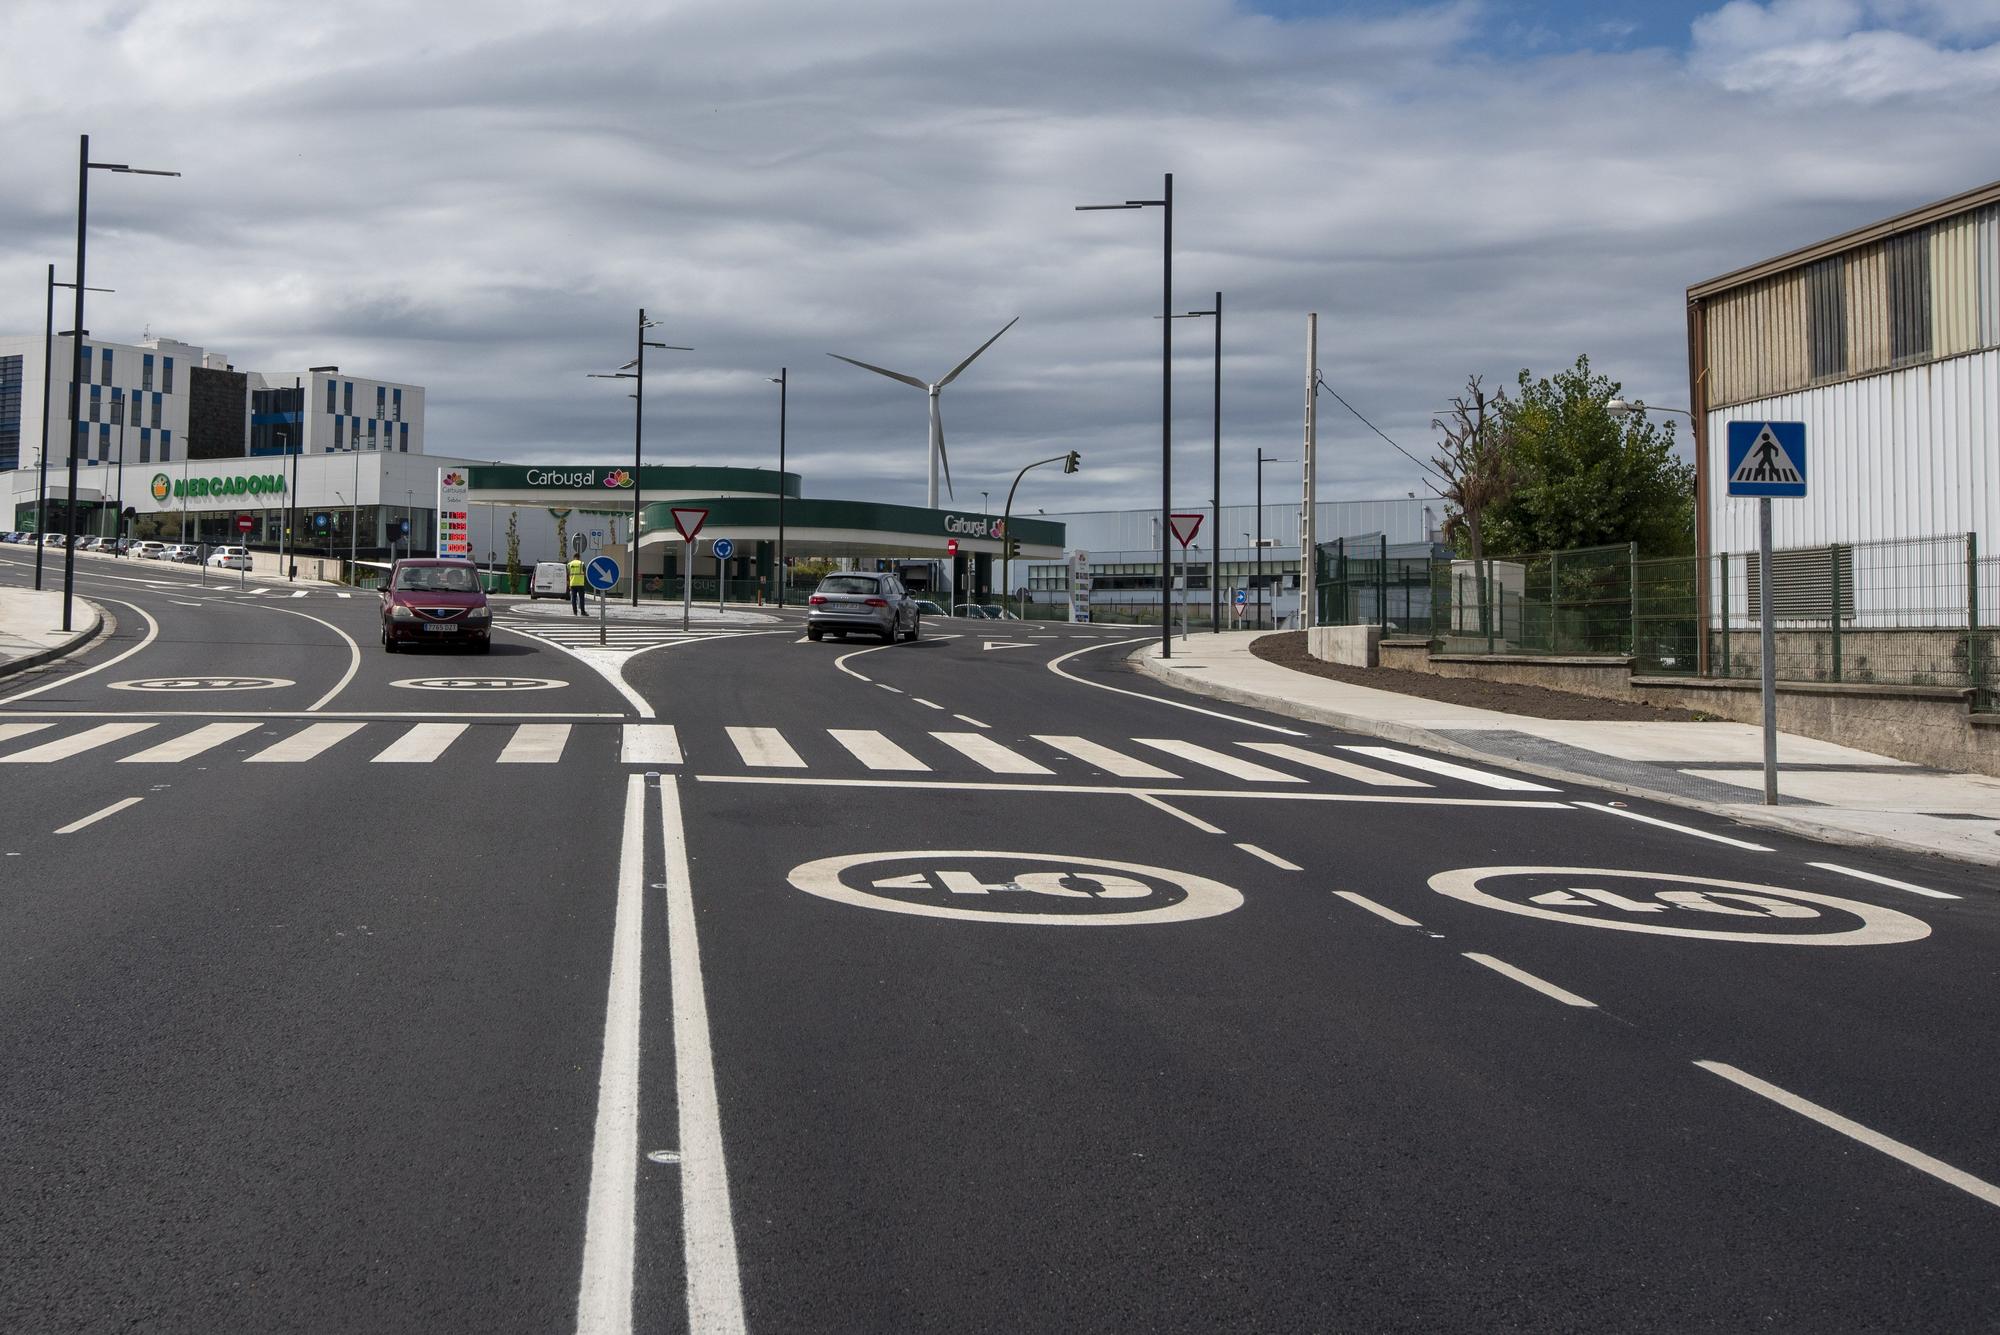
{"x":728,"y":981}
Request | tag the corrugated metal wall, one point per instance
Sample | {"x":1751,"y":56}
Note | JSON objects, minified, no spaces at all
{"x":1917,"y":297}
{"x":1908,"y":454}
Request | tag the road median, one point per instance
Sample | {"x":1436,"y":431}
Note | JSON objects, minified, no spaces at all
{"x":31,"y":632}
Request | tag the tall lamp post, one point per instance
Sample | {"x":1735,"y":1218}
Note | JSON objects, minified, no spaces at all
{"x":1261,"y":461}
{"x":1215,"y":497}
{"x":84,"y":166}
{"x":636,"y":370}
{"x":780,"y":380}
{"x":42,"y":452}
{"x":1166,"y":203}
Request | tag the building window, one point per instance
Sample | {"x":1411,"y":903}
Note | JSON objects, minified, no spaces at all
{"x":10,"y":412}
{"x":167,"y":375}
{"x":117,"y":404}
{"x":381,"y":400}
{"x":145,"y":445}
{"x":156,"y":408}
{"x":146,"y":372}
{"x":371,"y":433}
{"x":347,"y":398}
{"x":96,"y":403}
{"x":406,"y":437}
{"x":330,"y":398}
{"x":166,"y":447}
{"x":104,"y":441}
{"x":104,"y":366}
{"x":339,"y":423}
{"x":397,"y":399}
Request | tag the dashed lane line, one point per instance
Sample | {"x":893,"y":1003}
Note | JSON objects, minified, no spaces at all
{"x":1382,"y":911}
{"x":97,"y":816}
{"x":1281,"y":863}
{"x":1526,"y":979}
{"x":1176,"y":812}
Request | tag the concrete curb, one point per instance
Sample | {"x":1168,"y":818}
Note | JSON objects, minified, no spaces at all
{"x":79,"y":640}
{"x":1410,"y":735}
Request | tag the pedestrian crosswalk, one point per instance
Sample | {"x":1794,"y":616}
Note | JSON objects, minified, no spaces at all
{"x":1059,"y":757}
{"x":292,"y":742}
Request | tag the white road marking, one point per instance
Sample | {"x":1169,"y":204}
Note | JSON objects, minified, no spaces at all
{"x":1882,"y":880}
{"x":803,"y":639}
{"x":1874,"y":1140}
{"x":1106,"y":759}
{"x":1526,"y":979}
{"x":300,"y":594}
{"x":62,"y":748}
{"x":841,"y":662}
{"x":649,"y":744}
{"x":1055,"y":665}
{"x":97,"y":816}
{"x":766,"y":747}
{"x":874,"y":750}
{"x":1270,"y":857}
{"x":611,"y":669}
{"x":343,"y":595}
{"x":1247,"y":770}
{"x":925,"y":703}
{"x":1382,"y":911}
{"x":887,"y":687}
{"x":1114,"y":790}
{"x":305,"y":744}
{"x":353,"y":661}
{"x":1504,"y":783}
{"x":708,"y":1229}
{"x":1175,"y":811}
{"x":422,"y":744}
{"x":535,"y":744}
{"x":989,"y":754}
{"x":1346,"y":769}
{"x":971,"y":721}
{"x":1669,"y":825}
{"x":152,"y":633}
{"x":9,"y":731}
{"x":204,"y":738}
{"x":604,"y":1303}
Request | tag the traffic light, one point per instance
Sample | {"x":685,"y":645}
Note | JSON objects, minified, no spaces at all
{"x":1073,"y":462}
{"x":1013,"y":549}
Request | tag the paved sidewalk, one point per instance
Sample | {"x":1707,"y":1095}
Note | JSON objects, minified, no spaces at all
{"x":31,"y":627}
{"x":1826,"y":791}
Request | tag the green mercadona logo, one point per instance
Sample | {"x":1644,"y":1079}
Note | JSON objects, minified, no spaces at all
{"x":162,"y":488}
{"x":194,"y":488}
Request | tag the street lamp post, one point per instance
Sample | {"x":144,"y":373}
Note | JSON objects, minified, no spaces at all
{"x":1166,"y":203}
{"x":784,"y":391}
{"x":1215,"y":497}
{"x":636,"y":370}
{"x":1261,"y":461}
{"x":42,"y":451}
{"x":84,"y":166}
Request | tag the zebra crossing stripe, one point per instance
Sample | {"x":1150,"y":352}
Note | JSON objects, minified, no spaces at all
{"x":1346,"y":769}
{"x":649,"y":744}
{"x":205,"y":738}
{"x":874,"y":750}
{"x":765,"y":748}
{"x":1233,"y":766}
{"x":989,"y":754}
{"x":304,"y":744}
{"x":62,"y":748}
{"x":535,"y":744}
{"x":1435,"y":766}
{"x":1111,"y":762}
{"x":9,"y":731}
{"x":421,"y":744}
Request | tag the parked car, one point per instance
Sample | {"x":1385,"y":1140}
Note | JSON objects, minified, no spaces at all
{"x":184,"y":552}
{"x":929,"y":608}
{"x":435,"y":600}
{"x":230,"y":558}
{"x":997,"y":613}
{"x":970,"y":610}
{"x":869,"y":604}
{"x":149,"y":549}
{"x":550,"y":580}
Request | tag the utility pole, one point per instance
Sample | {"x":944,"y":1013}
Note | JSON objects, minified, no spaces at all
{"x":1309,"y":484}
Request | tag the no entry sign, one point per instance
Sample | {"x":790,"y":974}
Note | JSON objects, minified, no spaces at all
{"x":244,"y":523}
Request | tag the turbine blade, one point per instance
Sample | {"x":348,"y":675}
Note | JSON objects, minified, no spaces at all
{"x":878,"y":370}
{"x":976,"y":351}
{"x":943,"y":458}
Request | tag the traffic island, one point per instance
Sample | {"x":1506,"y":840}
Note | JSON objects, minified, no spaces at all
{"x":31,"y":630}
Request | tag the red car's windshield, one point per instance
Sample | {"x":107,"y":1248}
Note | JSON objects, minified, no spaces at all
{"x":434,"y":579}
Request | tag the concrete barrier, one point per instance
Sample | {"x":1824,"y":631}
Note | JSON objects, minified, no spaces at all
{"x":1354,"y":646}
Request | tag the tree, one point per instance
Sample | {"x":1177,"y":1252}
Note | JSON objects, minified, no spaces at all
{"x":562,"y":533}
{"x":1476,"y":460}
{"x":513,"y":541}
{"x":1585,"y":478}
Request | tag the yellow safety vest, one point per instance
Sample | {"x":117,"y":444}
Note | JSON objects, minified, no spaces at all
{"x":576,"y":574}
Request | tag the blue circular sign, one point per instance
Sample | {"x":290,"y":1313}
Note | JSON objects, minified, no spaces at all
{"x":723,"y":548}
{"x":601,"y":573}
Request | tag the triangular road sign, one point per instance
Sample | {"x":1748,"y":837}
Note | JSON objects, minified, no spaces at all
{"x":688,"y":520}
{"x":1767,"y":462}
{"x":1185,"y":527}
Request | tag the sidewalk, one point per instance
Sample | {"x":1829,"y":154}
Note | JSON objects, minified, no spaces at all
{"x":1826,"y":791}
{"x":30,"y":627}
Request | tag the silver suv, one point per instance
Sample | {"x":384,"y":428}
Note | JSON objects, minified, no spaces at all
{"x":870,"y":604}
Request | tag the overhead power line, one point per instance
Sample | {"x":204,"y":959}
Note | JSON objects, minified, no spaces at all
{"x":1380,"y":432}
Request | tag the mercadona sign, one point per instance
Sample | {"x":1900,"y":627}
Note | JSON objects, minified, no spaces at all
{"x":199,"y":488}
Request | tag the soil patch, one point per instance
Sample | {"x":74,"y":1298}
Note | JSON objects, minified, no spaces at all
{"x":1289,"y":650}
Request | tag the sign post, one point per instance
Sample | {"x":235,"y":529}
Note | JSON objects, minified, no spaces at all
{"x":1185,"y":526}
{"x":1768,"y":459}
{"x":723,"y":549}
{"x":601,"y":574}
{"x":687,"y":522}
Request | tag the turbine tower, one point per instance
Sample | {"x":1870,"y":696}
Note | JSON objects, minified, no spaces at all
{"x":937,"y":455}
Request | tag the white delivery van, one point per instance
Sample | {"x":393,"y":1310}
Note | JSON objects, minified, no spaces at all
{"x":551,"y":580}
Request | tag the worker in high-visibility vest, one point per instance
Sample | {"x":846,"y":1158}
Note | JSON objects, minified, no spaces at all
{"x":576,"y":586}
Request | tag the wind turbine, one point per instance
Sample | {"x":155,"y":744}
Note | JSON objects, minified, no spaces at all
{"x":937,"y":455}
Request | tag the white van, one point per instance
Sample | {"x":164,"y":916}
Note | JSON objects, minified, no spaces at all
{"x":551,"y":580}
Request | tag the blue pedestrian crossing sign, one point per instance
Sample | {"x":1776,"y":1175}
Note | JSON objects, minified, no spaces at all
{"x":1767,"y":459}
{"x":601,"y":573}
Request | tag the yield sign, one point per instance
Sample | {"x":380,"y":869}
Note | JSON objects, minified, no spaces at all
{"x":689,"y":519}
{"x":1185,"y":527}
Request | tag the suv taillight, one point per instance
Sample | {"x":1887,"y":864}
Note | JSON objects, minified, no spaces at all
{"x":817,"y":599}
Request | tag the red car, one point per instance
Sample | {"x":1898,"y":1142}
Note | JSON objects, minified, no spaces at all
{"x":435,"y":601}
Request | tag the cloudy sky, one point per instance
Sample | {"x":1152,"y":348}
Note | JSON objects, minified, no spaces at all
{"x":477,"y":196}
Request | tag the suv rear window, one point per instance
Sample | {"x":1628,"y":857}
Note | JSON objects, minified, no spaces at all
{"x":850,"y":584}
